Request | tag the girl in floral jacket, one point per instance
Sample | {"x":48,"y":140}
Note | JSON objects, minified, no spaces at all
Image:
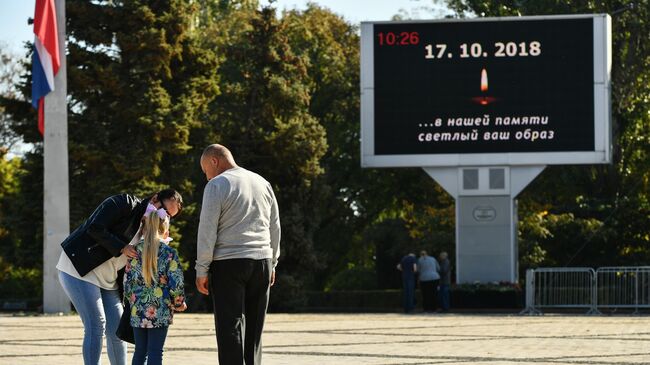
{"x":153,"y":285}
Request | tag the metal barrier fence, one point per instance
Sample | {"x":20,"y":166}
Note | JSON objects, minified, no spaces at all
{"x":583,"y":287}
{"x":566,"y":287}
{"x":623,"y":287}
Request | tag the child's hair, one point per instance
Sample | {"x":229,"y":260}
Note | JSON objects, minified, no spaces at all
{"x":153,"y":228}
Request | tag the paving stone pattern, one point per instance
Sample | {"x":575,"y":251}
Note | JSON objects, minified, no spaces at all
{"x":381,"y":339}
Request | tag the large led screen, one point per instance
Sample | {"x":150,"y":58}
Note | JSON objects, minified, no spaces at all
{"x":486,"y":87}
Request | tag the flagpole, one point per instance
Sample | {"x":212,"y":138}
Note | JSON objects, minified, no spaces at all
{"x":56,"y":202}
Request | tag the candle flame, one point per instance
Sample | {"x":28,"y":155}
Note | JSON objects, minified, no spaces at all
{"x":484,"y":80}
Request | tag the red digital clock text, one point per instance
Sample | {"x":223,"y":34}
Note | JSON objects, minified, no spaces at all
{"x":398,"y":38}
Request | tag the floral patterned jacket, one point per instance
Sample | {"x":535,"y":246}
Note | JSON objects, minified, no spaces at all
{"x":152,"y":307}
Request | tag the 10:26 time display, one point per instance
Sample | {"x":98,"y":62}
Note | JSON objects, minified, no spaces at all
{"x":398,"y":38}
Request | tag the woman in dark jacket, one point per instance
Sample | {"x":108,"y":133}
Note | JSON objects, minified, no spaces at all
{"x":91,"y":258}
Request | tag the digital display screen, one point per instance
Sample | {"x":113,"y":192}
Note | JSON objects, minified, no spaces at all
{"x":483,"y":87}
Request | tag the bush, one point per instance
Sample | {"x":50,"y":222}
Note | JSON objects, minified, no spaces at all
{"x":287,"y":294}
{"x":354,"y":301}
{"x":353,"y":278}
{"x":466,"y":296}
{"x":19,"y":282}
{"x":503,"y":286}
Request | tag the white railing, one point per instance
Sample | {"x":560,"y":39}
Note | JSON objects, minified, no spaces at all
{"x":583,"y":287}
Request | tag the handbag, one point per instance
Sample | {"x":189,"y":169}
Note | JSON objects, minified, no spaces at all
{"x":124,"y":330}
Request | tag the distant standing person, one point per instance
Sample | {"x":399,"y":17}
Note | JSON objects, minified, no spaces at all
{"x":445,"y":281}
{"x":408,"y":267}
{"x":428,"y":270}
{"x":238,"y":247}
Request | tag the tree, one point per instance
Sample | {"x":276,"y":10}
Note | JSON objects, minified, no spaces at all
{"x":263,"y":115}
{"x":594,"y":215}
{"x":21,"y":232}
{"x":9,"y":71}
{"x":20,"y":206}
{"x":139,"y":82}
{"x":355,"y":202}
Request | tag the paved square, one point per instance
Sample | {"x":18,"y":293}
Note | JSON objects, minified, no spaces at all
{"x":305,"y":339}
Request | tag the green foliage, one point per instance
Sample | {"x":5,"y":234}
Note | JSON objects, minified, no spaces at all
{"x":140,"y":104}
{"x":353,"y":278}
{"x":329,"y":45}
{"x":263,"y":116}
{"x":9,"y":171}
{"x":20,"y":282}
{"x":390,"y":241}
{"x":21,"y":211}
{"x":138,"y":84}
{"x":9,"y":188}
{"x":593,"y":215}
{"x":287,"y":294}
{"x":354,"y":202}
{"x":152,"y":83}
{"x":532,"y":232}
{"x":9,"y":72}
{"x":493,"y":287}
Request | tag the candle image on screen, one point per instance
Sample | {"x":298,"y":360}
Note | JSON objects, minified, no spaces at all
{"x":484,"y":80}
{"x":484,"y":99}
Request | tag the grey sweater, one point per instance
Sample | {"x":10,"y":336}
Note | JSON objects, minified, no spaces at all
{"x":239,"y":219}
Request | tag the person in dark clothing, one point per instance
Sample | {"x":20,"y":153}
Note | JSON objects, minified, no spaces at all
{"x":445,"y":281}
{"x":408,"y":267}
{"x":238,"y":248}
{"x":428,"y":269}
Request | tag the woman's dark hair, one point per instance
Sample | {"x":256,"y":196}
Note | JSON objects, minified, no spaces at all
{"x":171,"y":194}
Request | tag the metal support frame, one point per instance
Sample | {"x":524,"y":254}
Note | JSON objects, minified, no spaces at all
{"x":486,"y":219}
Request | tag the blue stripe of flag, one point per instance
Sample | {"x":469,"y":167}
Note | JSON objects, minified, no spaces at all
{"x":40,"y":87}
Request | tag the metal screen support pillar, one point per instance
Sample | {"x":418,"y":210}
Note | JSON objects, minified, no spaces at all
{"x":56,"y":204}
{"x":486,"y":218}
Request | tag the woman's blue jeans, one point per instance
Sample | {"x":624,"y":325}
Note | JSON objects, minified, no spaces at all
{"x":149,"y":344}
{"x":100,"y":312}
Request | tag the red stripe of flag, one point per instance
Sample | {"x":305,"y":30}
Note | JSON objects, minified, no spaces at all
{"x":45,"y":29}
{"x":46,"y":32}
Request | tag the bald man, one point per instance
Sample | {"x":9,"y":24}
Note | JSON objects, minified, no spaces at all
{"x":238,"y":248}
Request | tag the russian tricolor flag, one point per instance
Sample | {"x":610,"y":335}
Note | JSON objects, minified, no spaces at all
{"x":45,"y":60}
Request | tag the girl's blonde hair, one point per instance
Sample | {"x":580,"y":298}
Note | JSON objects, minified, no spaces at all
{"x":153,"y":230}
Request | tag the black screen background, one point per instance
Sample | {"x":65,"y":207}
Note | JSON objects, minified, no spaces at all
{"x":411,"y":90}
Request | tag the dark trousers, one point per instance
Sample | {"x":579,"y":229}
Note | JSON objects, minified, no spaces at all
{"x":429,"y":293}
{"x":444,"y":296}
{"x":408,"y":294}
{"x":240,"y":295}
{"x":149,"y":344}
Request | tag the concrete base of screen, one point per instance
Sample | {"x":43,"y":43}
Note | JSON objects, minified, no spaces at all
{"x":486,"y":219}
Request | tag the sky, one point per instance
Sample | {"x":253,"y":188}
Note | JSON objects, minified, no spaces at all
{"x":14,"y":30}
{"x":361,"y":10}
{"x":14,"y":14}
{"x":13,"y":23}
